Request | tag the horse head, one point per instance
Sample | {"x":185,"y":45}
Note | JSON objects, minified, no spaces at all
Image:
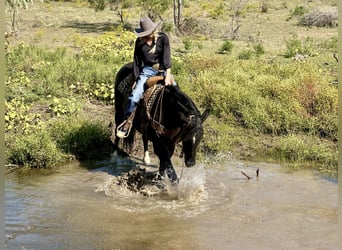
{"x":192,"y":137}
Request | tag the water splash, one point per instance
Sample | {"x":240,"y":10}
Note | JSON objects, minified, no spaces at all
{"x":185,"y":199}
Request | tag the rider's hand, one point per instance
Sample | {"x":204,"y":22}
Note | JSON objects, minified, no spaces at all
{"x":167,"y":80}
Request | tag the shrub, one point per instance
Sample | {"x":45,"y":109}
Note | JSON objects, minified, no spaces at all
{"x":259,"y":49}
{"x":81,"y":138}
{"x":112,"y":46}
{"x":226,"y":47}
{"x":305,"y":149}
{"x":320,"y":19}
{"x":245,"y":55}
{"x":63,"y":106}
{"x":34,"y":150}
{"x":18,"y":117}
{"x":187,"y":43}
{"x":272,"y":98}
{"x":298,"y":11}
{"x":294,"y":46}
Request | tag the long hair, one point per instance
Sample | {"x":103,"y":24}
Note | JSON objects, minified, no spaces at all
{"x":155,"y":34}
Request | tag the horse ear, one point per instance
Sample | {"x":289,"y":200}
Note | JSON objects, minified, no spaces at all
{"x":205,"y":115}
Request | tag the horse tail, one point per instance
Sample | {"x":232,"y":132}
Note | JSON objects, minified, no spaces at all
{"x":122,"y":88}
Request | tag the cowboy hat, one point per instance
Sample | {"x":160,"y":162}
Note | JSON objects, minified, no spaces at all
{"x":147,"y":26}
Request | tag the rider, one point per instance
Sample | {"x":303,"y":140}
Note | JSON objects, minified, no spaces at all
{"x":152,"y":54}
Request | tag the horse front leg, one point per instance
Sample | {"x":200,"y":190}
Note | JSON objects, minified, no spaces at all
{"x":166,"y":168}
{"x":164,"y":150}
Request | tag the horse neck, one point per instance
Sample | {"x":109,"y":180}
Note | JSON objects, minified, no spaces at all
{"x":176,"y":107}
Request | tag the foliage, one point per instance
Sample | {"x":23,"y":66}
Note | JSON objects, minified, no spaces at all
{"x":155,"y":8}
{"x":15,"y":5}
{"x":112,"y":46}
{"x":295,"y":46}
{"x":37,"y":73}
{"x":18,"y":117}
{"x":152,"y":8}
{"x":299,"y":10}
{"x":81,"y":138}
{"x":245,"y":54}
{"x":63,"y":106}
{"x":63,"y":140}
{"x":187,"y":43}
{"x":226,"y":47}
{"x":34,"y":150}
{"x":320,"y":19}
{"x":217,"y":12}
{"x":259,"y":49}
{"x":254,"y":93}
{"x":304,"y":149}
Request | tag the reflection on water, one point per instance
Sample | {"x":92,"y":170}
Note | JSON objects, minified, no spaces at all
{"x":214,"y":207}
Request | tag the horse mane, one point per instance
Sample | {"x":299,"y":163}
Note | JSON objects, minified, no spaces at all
{"x":186,"y":101}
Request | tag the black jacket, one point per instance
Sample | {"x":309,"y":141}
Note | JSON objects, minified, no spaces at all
{"x":162,"y":54}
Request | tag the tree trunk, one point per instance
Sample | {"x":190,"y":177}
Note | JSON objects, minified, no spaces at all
{"x":179,"y":18}
{"x":14,"y":21}
{"x":177,"y":14}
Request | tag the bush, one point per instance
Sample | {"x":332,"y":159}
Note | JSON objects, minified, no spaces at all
{"x":272,"y":98}
{"x":303,"y":149}
{"x":294,"y":47}
{"x":112,"y":46}
{"x":320,"y":19}
{"x":245,"y":55}
{"x":259,"y":49}
{"x":34,"y":150}
{"x":226,"y":47}
{"x":83,"y":139}
{"x":298,"y":11}
{"x":187,"y":43}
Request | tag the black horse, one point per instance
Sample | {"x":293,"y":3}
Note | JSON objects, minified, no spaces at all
{"x":167,"y":117}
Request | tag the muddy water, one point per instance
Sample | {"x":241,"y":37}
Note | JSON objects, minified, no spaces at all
{"x":214,"y":207}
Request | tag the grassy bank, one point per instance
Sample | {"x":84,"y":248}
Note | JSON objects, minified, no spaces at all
{"x":275,"y":103}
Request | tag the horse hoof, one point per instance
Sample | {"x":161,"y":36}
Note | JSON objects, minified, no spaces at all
{"x":147,"y":159}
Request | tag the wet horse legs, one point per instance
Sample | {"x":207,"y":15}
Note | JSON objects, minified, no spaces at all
{"x":167,"y":168}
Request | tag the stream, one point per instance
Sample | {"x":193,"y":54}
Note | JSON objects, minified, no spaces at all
{"x":215,"y":206}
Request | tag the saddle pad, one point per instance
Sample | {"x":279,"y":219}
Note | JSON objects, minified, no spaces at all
{"x":150,"y":96}
{"x":125,"y":86}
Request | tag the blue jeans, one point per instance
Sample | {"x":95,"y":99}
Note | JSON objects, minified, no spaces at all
{"x":139,"y":89}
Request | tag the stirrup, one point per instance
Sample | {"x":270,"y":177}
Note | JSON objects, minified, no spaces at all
{"x":122,"y":133}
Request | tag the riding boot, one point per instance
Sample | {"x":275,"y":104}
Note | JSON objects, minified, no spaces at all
{"x":124,"y":128}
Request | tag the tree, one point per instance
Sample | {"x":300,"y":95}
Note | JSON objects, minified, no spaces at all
{"x":15,"y":5}
{"x":264,"y":6}
{"x":116,"y":5}
{"x":155,"y":8}
{"x":152,"y":8}
{"x":177,"y":14}
{"x":236,"y":6}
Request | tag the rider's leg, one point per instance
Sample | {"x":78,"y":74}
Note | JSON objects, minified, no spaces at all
{"x":133,"y":100}
{"x":138,"y":91}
